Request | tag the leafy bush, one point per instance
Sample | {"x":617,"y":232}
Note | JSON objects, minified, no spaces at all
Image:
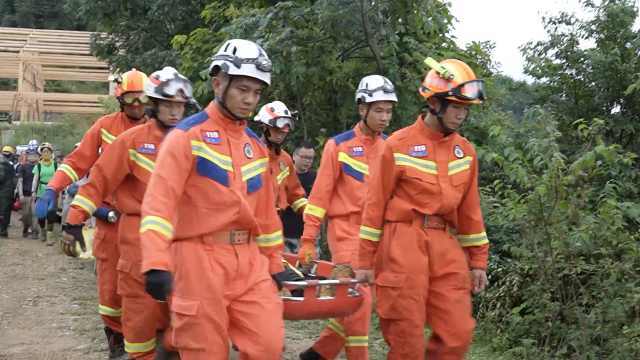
{"x":564,"y":229}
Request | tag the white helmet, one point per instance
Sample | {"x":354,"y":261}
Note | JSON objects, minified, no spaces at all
{"x":375,"y":88}
{"x":44,"y":145}
{"x":169,"y":84}
{"x":243,"y":58}
{"x":275,"y":114}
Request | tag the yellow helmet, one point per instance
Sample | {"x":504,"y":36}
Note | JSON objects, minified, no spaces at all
{"x":8,"y":149}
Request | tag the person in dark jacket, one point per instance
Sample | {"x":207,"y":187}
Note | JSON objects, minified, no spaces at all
{"x":7,"y":187}
{"x":292,"y":224}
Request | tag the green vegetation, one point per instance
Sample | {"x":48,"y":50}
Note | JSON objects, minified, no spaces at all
{"x":559,"y":167}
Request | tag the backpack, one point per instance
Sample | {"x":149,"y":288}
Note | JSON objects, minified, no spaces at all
{"x":55,"y":167}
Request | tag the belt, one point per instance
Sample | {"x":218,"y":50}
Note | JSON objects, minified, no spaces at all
{"x":432,"y":221}
{"x":233,"y":237}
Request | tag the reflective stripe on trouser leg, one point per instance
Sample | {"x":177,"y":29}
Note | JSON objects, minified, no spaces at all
{"x":204,"y":319}
{"x":350,"y":332}
{"x":142,"y":318}
{"x":106,"y":253}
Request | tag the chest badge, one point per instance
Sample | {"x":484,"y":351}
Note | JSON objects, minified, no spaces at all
{"x":283,"y":166}
{"x":457,"y":151}
{"x":357,"y":150}
{"x":211,"y":137}
{"x":147,"y":149}
{"x":418,"y":151}
{"x":248,"y":151}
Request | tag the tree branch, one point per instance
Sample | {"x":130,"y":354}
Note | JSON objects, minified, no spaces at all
{"x":370,"y":40}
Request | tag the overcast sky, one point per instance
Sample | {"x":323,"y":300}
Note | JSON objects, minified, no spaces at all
{"x":508,"y":23}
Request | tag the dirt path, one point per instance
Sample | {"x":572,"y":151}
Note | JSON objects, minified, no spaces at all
{"x":48,"y":308}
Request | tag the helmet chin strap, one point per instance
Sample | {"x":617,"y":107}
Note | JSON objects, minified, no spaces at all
{"x":223,"y":104}
{"x":444,"y":104}
{"x":366,"y":118}
{"x":152,"y":113}
{"x":270,"y":144}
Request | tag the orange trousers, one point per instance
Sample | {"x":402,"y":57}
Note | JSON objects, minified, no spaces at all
{"x":142,"y":316}
{"x":351,"y":332}
{"x":223,"y":293}
{"x":423,"y":279}
{"x":105,"y":250}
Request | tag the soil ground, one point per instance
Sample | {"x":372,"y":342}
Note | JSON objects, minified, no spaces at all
{"x":48,"y":308}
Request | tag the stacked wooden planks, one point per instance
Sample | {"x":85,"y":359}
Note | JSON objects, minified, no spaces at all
{"x":33,"y":56}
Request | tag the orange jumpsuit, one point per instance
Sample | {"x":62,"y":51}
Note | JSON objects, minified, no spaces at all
{"x":289,"y":191}
{"x":208,"y":215}
{"x":105,"y":248}
{"x":422,"y":269}
{"x":339,"y":192}
{"x":125,"y":171}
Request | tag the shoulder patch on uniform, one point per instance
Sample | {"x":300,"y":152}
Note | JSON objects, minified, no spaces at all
{"x":345,"y":136}
{"x":193,"y":120}
{"x":253,"y":135}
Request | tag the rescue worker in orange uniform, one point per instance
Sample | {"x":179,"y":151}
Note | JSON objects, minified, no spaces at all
{"x":277,"y":121}
{"x":338,"y":193}
{"x":210,"y":232}
{"x":424,"y":191}
{"x":130,"y":95}
{"x":124,"y":171}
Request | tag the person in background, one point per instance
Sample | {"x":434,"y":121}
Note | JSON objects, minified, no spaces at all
{"x":43,"y":172}
{"x":303,"y":157}
{"x":277,"y":121}
{"x":7,"y":188}
{"x":337,"y":195}
{"x":10,"y":154}
{"x":25,"y":182}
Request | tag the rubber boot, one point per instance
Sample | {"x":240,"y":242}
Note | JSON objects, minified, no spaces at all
{"x":51,"y":238}
{"x":310,"y":354}
{"x":115,"y":340}
{"x":43,"y":235}
{"x":25,"y":232}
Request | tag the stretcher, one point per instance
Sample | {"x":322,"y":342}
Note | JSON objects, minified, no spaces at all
{"x":315,"y":296}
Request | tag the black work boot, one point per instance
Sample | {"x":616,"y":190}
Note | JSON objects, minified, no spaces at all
{"x":310,"y":354}
{"x":25,"y":231}
{"x":161,"y":352}
{"x":115,"y":340}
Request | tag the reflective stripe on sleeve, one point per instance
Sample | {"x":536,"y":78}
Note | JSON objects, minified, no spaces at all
{"x":314,"y":210}
{"x":473,"y":239}
{"x":157,"y":224}
{"x":299,"y":203}
{"x":68,"y":170}
{"x":268,"y":240}
{"x":84,"y":203}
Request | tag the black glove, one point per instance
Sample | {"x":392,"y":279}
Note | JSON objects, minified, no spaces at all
{"x":71,"y":235}
{"x":286,"y":275}
{"x":158,"y":284}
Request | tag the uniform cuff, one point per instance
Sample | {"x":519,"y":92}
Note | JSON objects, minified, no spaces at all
{"x":76,"y":216}
{"x":275,"y":265}
{"x":365,"y":259}
{"x":477,"y":256}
